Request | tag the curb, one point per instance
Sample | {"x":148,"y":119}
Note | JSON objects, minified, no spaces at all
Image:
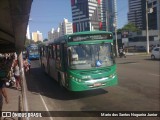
{"x":20,"y":106}
{"x":143,"y":54}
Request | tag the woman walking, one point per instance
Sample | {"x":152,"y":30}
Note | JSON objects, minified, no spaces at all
{"x":17,"y":74}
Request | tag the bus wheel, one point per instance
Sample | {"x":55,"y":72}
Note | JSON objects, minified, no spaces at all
{"x":43,"y":68}
{"x":41,"y":62}
{"x":152,"y":57}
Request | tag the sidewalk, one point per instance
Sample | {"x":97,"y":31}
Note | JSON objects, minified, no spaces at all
{"x":15,"y":99}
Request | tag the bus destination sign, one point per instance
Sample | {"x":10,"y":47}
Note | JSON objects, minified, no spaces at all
{"x":90,"y":37}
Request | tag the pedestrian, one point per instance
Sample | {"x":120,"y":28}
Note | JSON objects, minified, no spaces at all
{"x":27,"y":64}
{"x":17,"y":74}
{"x":122,"y":52}
{"x":3,"y":93}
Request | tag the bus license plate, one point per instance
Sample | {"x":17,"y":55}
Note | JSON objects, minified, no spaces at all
{"x":97,"y":84}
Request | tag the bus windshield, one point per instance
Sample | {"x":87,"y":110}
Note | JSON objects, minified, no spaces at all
{"x":33,"y":51}
{"x":90,"y":56}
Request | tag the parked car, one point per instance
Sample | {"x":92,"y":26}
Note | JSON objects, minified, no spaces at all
{"x":155,"y":54}
{"x":140,"y":49}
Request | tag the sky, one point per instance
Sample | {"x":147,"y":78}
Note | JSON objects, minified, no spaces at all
{"x":47,"y":14}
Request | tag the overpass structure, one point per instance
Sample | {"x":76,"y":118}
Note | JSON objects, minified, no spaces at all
{"x":14,"y":17}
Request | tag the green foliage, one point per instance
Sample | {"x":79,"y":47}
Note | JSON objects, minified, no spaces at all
{"x":130,"y":27}
{"x":119,"y":30}
{"x":45,"y":40}
{"x":28,"y":41}
{"x":38,"y":42}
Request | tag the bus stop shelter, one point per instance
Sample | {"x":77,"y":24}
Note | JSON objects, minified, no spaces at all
{"x":14,"y":17}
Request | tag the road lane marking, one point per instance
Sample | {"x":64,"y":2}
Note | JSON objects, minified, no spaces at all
{"x":154,"y":74}
{"x":45,"y":106}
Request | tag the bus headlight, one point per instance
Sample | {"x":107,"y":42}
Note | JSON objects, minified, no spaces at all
{"x":112,"y":75}
{"x":76,"y":79}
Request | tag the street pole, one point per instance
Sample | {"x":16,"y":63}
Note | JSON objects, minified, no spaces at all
{"x":116,"y":40}
{"x":115,"y":26}
{"x":159,"y":19}
{"x":147,"y":35}
{"x":107,"y":20}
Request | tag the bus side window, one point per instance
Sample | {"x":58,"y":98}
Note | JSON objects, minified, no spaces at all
{"x":57,"y":52}
{"x":64,"y":55}
{"x":54,"y":52}
{"x":49,"y":52}
{"x":69,"y":57}
{"x":43,"y":51}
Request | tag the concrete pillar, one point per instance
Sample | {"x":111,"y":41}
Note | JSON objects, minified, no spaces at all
{"x":158,"y":13}
{"x":20,"y":59}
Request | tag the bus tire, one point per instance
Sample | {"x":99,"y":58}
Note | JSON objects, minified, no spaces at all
{"x":41,"y":62}
{"x":152,"y":57}
{"x":43,"y":67}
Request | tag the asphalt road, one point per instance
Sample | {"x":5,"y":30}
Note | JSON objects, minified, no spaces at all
{"x":138,"y":90}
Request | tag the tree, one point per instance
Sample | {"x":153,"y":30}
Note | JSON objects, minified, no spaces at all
{"x":130,"y":27}
{"x":45,"y":40}
{"x":119,"y":30}
{"x":28,"y":41}
{"x":38,"y":42}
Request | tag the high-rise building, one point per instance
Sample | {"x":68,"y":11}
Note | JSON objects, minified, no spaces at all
{"x":153,"y":5}
{"x":111,"y":13}
{"x":40,"y":36}
{"x":28,"y":33}
{"x":64,"y":28}
{"x":88,"y":15}
{"x":37,"y":36}
{"x":34,"y":36}
{"x":137,"y":13}
{"x":51,"y":35}
{"x":159,"y":18}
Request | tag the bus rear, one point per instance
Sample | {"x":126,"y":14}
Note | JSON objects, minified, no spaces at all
{"x":33,"y":52}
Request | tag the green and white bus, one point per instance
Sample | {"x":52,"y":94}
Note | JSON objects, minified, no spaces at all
{"x":81,"y":61}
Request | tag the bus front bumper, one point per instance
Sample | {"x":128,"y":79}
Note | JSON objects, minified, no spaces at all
{"x":89,"y":85}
